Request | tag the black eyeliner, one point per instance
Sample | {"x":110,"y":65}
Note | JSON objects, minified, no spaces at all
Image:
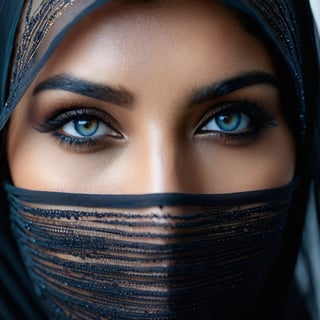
{"x":57,"y":119}
{"x":75,"y":142}
{"x":259,"y":119}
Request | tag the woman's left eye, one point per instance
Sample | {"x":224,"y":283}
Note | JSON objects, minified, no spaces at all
{"x":236,"y":123}
{"x":228,"y":122}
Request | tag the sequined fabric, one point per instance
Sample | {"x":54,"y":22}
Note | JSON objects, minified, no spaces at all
{"x":150,"y":262}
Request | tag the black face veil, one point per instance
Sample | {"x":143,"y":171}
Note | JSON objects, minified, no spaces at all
{"x":144,"y":255}
{"x":156,"y":256}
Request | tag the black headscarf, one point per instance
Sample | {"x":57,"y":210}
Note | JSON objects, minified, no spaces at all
{"x":287,"y":28}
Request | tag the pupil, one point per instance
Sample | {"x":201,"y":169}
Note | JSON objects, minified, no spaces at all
{"x":227,"y":119}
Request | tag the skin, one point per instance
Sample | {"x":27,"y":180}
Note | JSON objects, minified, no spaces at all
{"x":160,"y":54}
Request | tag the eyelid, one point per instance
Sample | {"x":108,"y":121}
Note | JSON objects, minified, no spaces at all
{"x":62,"y":116}
{"x":256,"y":113}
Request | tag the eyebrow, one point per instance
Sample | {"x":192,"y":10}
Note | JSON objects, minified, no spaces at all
{"x":122,"y":97}
{"x":222,"y":88}
{"x":117,"y":96}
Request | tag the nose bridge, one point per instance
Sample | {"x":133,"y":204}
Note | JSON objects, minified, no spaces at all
{"x":160,"y":156}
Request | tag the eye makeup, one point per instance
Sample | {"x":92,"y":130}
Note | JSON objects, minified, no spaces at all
{"x":82,"y":128}
{"x":71,"y":126}
{"x":257,"y":117}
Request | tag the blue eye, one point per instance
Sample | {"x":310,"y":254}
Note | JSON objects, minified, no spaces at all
{"x":231,"y":122}
{"x":83,"y":129}
{"x":87,"y":128}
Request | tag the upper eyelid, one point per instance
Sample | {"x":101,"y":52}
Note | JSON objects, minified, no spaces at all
{"x":237,"y":106}
{"x":82,"y":110}
{"x":95,"y":112}
{"x":77,"y":111}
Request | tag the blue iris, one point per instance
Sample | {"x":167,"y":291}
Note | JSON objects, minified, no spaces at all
{"x":229,"y":121}
{"x":86,"y":127}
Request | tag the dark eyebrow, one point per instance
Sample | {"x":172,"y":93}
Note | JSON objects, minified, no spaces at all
{"x":66,"y":82}
{"x":225,"y":87}
{"x":121,"y":97}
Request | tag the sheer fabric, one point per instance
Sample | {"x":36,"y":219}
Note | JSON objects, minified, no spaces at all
{"x":172,"y":256}
{"x":285,"y":26}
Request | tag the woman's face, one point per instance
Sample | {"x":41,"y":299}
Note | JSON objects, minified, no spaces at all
{"x":146,"y":98}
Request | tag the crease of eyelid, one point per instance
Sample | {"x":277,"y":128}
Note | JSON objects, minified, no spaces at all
{"x":124,"y":98}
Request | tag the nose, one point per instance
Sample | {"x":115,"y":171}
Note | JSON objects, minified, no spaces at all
{"x":163,"y":164}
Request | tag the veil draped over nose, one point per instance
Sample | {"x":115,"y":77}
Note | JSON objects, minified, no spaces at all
{"x":31,"y":30}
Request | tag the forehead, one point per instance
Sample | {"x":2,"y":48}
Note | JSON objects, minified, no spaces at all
{"x":196,"y":37}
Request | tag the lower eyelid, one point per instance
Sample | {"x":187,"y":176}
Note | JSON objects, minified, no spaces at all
{"x":86,"y":145}
{"x":231,"y":139}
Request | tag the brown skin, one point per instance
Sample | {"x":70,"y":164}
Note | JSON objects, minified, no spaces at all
{"x":159,"y":54}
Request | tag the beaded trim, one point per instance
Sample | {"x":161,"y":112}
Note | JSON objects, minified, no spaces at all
{"x":37,"y":21}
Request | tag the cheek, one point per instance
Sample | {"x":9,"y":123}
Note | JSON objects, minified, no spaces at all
{"x":267,"y":163}
{"x":27,"y":163}
{"x":32,"y":160}
{"x":38,"y":163}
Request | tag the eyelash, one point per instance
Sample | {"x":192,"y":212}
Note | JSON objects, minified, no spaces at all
{"x":258,"y":117}
{"x":60,"y":118}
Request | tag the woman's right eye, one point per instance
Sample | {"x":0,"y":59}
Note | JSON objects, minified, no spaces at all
{"x":90,"y":128}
